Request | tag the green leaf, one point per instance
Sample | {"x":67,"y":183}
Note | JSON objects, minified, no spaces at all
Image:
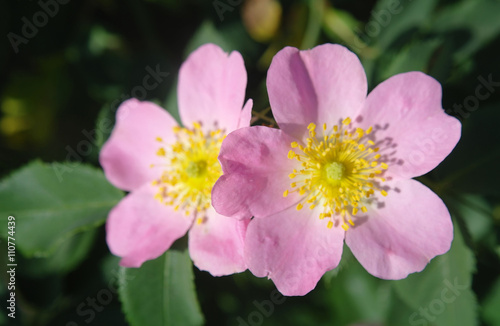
{"x":473,"y":22}
{"x":441,"y":293}
{"x":391,"y":20}
{"x":357,"y":296}
{"x":392,"y":27}
{"x":347,"y":257}
{"x":399,"y":313}
{"x":64,"y":259}
{"x":52,"y":202}
{"x":491,"y":313}
{"x":161,"y":292}
{"x":477,"y":215}
{"x":414,"y":57}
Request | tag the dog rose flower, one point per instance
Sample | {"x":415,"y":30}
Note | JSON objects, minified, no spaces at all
{"x":340,"y":167}
{"x":170,"y":170}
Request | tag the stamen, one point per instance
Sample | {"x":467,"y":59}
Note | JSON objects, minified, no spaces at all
{"x":190,"y":170}
{"x":161,"y":152}
{"x":340,"y":172}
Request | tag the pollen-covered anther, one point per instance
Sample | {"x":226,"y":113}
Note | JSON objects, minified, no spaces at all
{"x":341,"y":170}
{"x":190,"y":169}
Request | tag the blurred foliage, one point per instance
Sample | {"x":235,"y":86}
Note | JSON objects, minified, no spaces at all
{"x":59,"y":94}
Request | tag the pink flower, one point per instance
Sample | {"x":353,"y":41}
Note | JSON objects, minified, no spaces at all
{"x":170,"y":170}
{"x":340,"y":167}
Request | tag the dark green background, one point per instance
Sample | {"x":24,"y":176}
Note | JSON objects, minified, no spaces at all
{"x":60,"y":91}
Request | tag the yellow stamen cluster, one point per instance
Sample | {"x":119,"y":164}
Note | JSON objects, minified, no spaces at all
{"x":339,"y":170}
{"x":190,"y":171}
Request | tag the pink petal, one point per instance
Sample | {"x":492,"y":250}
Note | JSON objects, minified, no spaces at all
{"x":293,"y":248}
{"x":321,"y":85}
{"x":256,"y":169}
{"x":131,"y":149}
{"x":409,"y":228}
{"x":216,"y":245}
{"x":141,"y":228}
{"x":212,"y":88}
{"x":246,"y":115}
{"x":408,"y":109}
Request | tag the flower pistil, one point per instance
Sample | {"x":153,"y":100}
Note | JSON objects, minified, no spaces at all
{"x":339,"y":171}
{"x":190,"y":171}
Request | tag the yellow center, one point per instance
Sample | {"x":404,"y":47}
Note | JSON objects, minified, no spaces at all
{"x":334,"y":171}
{"x":190,"y":170}
{"x":339,"y":171}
